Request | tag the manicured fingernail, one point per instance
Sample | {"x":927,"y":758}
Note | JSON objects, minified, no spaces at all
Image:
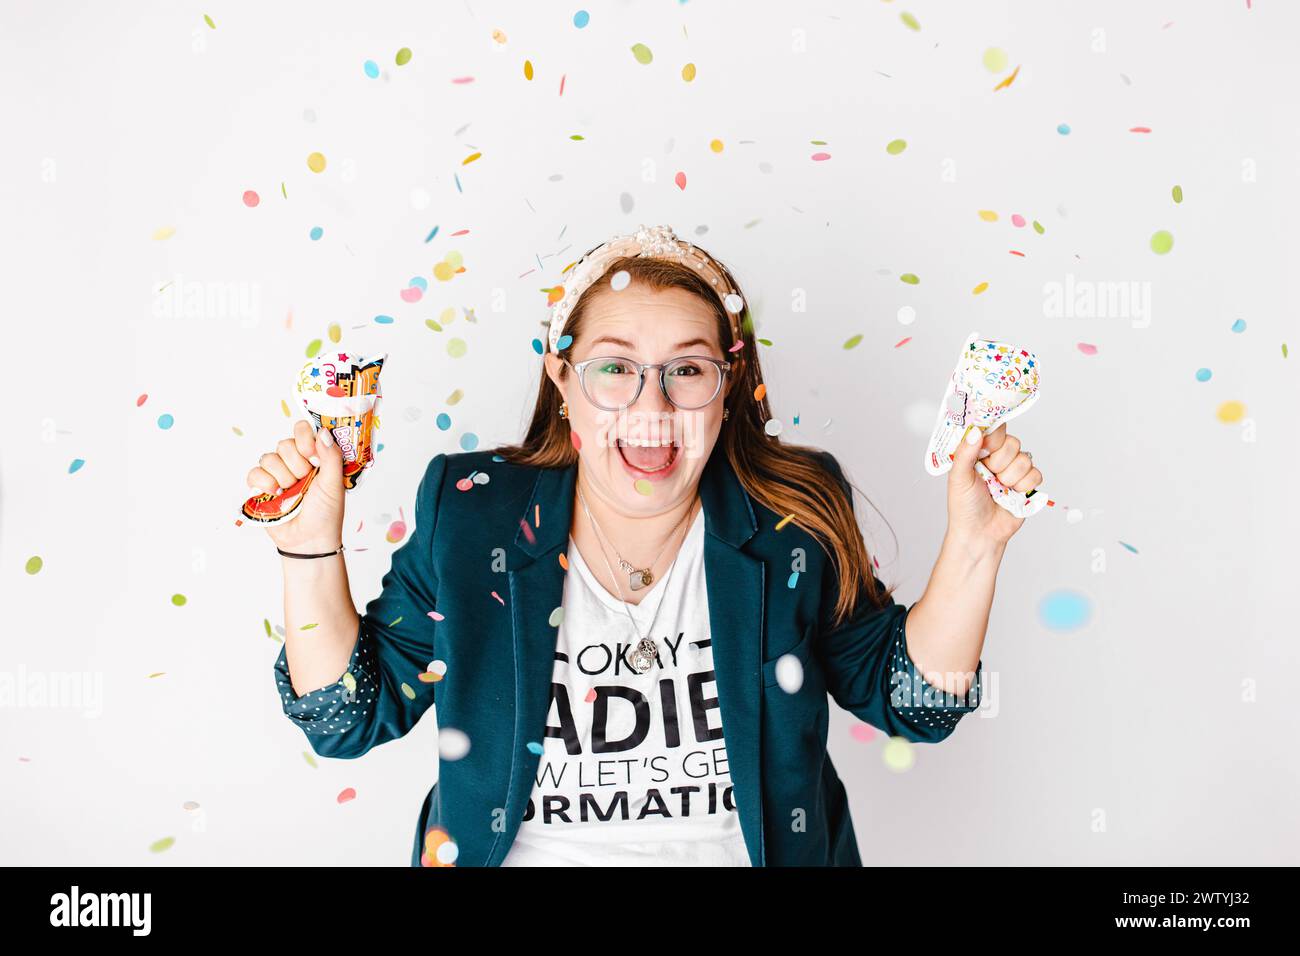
{"x":984,"y":453}
{"x":325,"y":437}
{"x":315,"y":462}
{"x":973,"y":435}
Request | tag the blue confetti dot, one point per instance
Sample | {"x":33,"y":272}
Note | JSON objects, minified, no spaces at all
{"x":1239,"y":325}
{"x":794,"y":579}
{"x":443,"y":421}
{"x":469,"y":441}
{"x":538,"y":347}
{"x":1203,"y":374}
{"x":1128,"y":547}
{"x":563,"y":342}
{"x":421,"y":281}
{"x":581,"y":19}
{"x":1065,"y":610}
{"x":316,"y":233}
{"x":497,"y":458}
{"x":379,"y":448}
{"x":534,"y":747}
{"x":384,"y":319}
{"x":76,"y":465}
{"x":165,"y":421}
{"x":372,"y":69}
{"x":1064,"y":129}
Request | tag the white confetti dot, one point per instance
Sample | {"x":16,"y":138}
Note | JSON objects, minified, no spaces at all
{"x":906,"y":315}
{"x":482,"y":478}
{"x":789,"y":673}
{"x":420,"y":198}
{"x":447,"y":852}
{"x":619,"y":280}
{"x":1073,"y":515}
{"x":452,"y":743}
{"x":734,"y":303}
{"x":437,"y":667}
{"x":773,"y":426}
{"x":898,"y":754}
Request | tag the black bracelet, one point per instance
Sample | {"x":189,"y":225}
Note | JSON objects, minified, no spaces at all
{"x":327,"y":554}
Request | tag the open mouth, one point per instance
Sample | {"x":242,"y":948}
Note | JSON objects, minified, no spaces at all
{"x":648,"y":459}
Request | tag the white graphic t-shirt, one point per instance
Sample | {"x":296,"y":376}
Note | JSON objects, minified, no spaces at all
{"x":634,"y":767}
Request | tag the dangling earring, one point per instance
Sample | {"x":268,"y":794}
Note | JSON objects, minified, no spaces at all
{"x":726,"y":413}
{"x":564,"y":409}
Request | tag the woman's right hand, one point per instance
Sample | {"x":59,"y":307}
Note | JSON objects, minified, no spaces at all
{"x":318,"y":525}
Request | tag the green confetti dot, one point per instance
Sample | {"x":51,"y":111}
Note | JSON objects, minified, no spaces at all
{"x":643,"y":486}
{"x":403,"y":56}
{"x":208,"y":20}
{"x":909,"y":21}
{"x":267,"y":624}
{"x":642,"y":53}
{"x":456,"y":347}
{"x":311,"y":761}
{"x":851,"y":343}
{"x":433,"y":325}
{"x":34,"y":564}
{"x":308,"y":627}
{"x":1038,"y":227}
{"x":408,"y":691}
{"x":896,"y":146}
{"x":1178,"y":194}
{"x":910,"y":278}
{"x":1162,"y":242}
{"x":178,"y":600}
{"x":349,"y":682}
{"x":1284,"y":350}
{"x":157,"y":846}
{"x":313,"y":347}
{"x":898,"y":754}
{"x":556,"y":618}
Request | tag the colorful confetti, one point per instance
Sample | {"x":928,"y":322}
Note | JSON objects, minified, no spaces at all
{"x":1161,"y":242}
{"x":896,"y":146}
{"x":34,"y":564}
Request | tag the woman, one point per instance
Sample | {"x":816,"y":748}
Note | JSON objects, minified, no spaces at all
{"x":632,"y":628}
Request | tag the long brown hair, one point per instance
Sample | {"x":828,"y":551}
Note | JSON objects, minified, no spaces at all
{"x":786,"y":478}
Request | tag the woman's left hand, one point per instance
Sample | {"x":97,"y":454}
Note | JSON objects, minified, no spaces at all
{"x":973,"y":515}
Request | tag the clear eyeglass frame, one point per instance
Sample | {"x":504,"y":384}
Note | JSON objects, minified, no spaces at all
{"x":579,"y":369}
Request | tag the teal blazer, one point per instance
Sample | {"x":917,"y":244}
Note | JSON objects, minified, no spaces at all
{"x":494,"y":636}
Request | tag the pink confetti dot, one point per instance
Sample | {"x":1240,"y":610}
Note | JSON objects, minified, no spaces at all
{"x":591,"y":696}
{"x":142,"y":399}
{"x":1087,"y":349}
{"x":347,"y":794}
{"x":820,"y":157}
{"x":577,"y":442}
{"x":680,"y":180}
{"x":396,"y":531}
{"x":251,"y":199}
{"x":1017,"y":220}
{"x":464,"y":484}
{"x":412,"y":294}
{"x":862,"y":732}
{"x":498,"y":597}
{"x":436,"y":616}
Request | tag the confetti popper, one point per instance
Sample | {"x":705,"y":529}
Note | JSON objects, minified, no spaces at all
{"x":993,"y":383}
{"x":338,"y":391}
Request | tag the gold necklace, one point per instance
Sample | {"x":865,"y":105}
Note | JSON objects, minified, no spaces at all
{"x":646,"y":650}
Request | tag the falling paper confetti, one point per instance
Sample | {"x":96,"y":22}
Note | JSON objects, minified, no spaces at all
{"x":34,"y":565}
{"x":1064,"y":610}
{"x":898,"y":754}
{"x":1230,"y":412}
{"x":316,"y":162}
{"x":642,"y":53}
{"x":178,"y":600}
{"x":896,"y":146}
{"x":1161,"y":242}
{"x":346,"y":794}
{"x":251,"y":199}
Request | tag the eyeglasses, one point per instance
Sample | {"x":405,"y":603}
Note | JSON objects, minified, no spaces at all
{"x":612,"y":383}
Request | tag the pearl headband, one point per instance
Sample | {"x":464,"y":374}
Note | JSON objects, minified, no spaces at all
{"x":657,"y":242}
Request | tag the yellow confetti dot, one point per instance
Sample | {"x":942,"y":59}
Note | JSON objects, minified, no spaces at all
{"x":784,"y":521}
{"x":166,"y":232}
{"x":1230,"y":412}
{"x":979,"y":288}
{"x":316,"y":162}
{"x":470,"y":158}
{"x":456,"y":347}
{"x":335,"y":332}
{"x":499,"y":36}
{"x":349,"y":681}
{"x":454,"y":259}
{"x":988,"y":215}
{"x":284,"y":407}
{"x":688,"y":72}
{"x":643,"y":486}
{"x":716,"y":145}
{"x":408,"y":690}
{"x":443,"y":271}
{"x":528,"y":69}
{"x":311,"y":761}
{"x":898,"y":754}
{"x":455,"y":397}
{"x":448,"y":315}
{"x":995,"y":60}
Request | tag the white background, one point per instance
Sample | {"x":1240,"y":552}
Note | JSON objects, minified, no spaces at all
{"x":122,"y":119}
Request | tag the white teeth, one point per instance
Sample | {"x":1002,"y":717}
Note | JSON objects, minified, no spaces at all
{"x":639,"y":443}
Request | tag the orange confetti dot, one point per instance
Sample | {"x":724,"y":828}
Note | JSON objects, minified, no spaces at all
{"x":680,"y":180}
{"x":760,"y":392}
{"x":347,"y":794}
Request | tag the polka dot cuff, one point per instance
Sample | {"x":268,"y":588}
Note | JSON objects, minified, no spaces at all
{"x":919,"y":703}
{"x":334,"y":708}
